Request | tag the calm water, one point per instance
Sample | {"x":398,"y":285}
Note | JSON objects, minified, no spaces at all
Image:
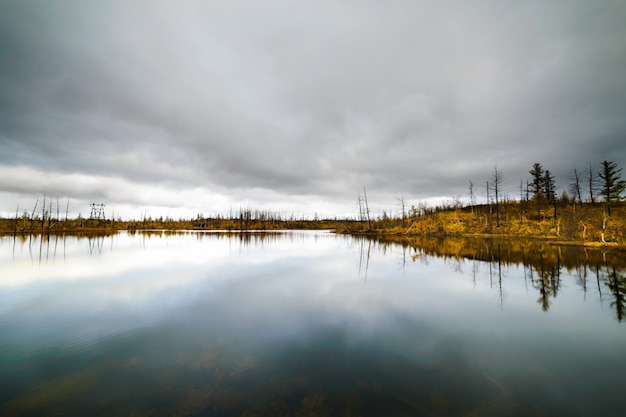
{"x":308,"y":324}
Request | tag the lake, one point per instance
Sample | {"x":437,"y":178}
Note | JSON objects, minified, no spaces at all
{"x":308,"y":324}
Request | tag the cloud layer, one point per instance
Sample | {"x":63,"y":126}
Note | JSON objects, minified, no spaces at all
{"x":298,"y":105}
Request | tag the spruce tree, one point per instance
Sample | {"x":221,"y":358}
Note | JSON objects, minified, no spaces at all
{"x":612,"y":184}
{"x":537,"y":185}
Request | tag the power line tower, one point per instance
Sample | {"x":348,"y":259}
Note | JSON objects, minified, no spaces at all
{"x":97,"y":211}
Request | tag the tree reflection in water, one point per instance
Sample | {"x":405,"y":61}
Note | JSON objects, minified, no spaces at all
{"x":542,"y":262}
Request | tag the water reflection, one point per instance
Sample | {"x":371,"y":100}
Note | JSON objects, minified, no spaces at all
{"x":542,"y":262}
{"x":44,"y":248}
{"x":307,"y":324}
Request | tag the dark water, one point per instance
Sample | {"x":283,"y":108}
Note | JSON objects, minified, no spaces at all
{"x":308,"y":324}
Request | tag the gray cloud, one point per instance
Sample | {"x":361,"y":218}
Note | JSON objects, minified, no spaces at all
{"x":305,"y":99}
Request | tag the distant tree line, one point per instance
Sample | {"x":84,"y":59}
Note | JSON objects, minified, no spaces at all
{"x":591,"y":209}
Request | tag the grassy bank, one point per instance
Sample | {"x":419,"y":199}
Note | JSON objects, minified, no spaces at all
{"x":587,"y":224}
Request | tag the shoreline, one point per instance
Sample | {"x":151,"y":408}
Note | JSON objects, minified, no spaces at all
{"x":380,"y":233}
{"x":556,"y":241}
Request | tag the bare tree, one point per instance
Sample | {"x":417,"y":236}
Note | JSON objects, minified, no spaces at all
{"x":57,"y":219}
{"x":361,"y":210}
{"x":402,"y":204}
{"x":43,"y":212}
{"x":488,"y":205}
{"x":575,"y":186}
{"x":496,"y":182}
{"x":32,"y":216}
{"x":592,"y":183}
{"x":521,"y":201}
{"x":17,"y":209}
{"x":367,"y":210}
{"x":471,"y":193}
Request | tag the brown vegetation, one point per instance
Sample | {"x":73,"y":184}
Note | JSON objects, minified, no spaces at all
{"x":539,"y":212}
{"x":246,"y":219}
{"x":573,"y":222}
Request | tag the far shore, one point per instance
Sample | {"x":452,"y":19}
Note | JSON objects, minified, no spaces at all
{"x":581,"y":224}
{"x":377,"y":233}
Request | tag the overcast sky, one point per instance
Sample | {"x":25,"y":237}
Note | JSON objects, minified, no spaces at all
{"x":202,"y":106}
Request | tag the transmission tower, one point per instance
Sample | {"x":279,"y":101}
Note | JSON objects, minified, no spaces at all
{"x":97,"y":211}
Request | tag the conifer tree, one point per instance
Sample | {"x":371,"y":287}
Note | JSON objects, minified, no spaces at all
{"x":537,"y":186}
{"x":549,"y":188}
{"x":612,"y":184}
